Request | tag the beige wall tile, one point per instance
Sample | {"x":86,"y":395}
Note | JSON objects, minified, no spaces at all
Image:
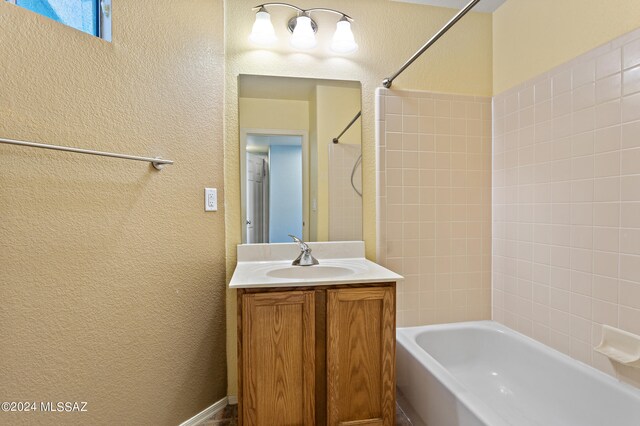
{"x":630,"y":215}
{"x":630,"y":161}
{"x":410,"y":106}
{"x":608,"y":64}
{"x":583,"y":73}
{"x":606,"y":239}
{"x":631,"y":54}
{"x":607,"y":164}
{"x":561,"y":82}
{"x":630,"y":241}
{"x":608,"y":114}
{"x":631,"y":108}
{"x":631,"y":81}
{"x":607,"y":139}
{"x":608,"y":88}
{"x":393,"y":105}
{"x":630,"y":188}
{"x":582,"y":97}
{"x":630,"y":293}
{"x":606,"y":189}
{"x":629,"y":319}
{"x":605,"y":313}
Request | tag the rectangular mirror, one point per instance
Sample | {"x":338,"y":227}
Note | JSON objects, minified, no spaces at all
{"x":300,"y":159}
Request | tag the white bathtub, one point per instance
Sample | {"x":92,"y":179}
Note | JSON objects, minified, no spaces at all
{"x":482,"y":373}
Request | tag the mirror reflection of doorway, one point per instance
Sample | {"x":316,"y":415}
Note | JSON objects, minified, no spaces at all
{"x":274,"y":190}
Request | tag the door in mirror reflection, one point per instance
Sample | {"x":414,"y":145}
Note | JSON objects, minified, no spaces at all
{"x":274,"y":190}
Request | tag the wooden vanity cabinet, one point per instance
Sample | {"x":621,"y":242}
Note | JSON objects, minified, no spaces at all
{"x":317,"y":355}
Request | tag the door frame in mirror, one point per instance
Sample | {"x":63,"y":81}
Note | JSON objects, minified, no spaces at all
{"x":305,"y":174}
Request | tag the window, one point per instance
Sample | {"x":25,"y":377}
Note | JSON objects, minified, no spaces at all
{"x":91,"y":16}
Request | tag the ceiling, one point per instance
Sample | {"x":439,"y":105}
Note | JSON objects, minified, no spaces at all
{"x":483,"y":6}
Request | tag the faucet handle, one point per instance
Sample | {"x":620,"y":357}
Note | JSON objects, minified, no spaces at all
{"x":302,"y":244}
{"x":305,"y":258}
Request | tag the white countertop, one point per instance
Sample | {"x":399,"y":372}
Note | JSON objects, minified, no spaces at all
{"x":269,"y":265}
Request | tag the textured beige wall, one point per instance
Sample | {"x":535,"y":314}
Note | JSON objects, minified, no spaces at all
{"x":388,"y":34}
{"x":530,"y":37}
{"x":112,"y":277}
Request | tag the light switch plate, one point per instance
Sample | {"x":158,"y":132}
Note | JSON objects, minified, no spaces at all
{"x":210,"y":199}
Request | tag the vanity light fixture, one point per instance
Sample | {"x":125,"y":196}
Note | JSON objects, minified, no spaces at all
{"x":303,"y":29}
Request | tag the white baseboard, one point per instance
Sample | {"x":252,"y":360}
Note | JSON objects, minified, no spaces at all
{"x":233,"y":399}
{"x":206,"y":413}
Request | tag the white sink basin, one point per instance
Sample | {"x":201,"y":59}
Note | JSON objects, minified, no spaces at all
{"x":310,"y":272}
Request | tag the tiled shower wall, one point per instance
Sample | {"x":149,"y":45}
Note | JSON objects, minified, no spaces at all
{"x":566,"y":194}
{"x":434,"y":203}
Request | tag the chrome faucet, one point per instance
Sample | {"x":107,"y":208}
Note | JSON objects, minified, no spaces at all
{"x":305,"y":258}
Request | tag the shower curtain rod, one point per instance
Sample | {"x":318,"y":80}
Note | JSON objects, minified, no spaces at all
{"x":337,"y":139}
{"x":158,"y":163}
{"x":387,"y":82}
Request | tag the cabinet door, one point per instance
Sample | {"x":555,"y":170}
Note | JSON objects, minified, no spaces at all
{"x":361,"y":356}
{"x":278,"y":362}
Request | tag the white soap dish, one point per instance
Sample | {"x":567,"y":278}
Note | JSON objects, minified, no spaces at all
{"x":620,"y":346}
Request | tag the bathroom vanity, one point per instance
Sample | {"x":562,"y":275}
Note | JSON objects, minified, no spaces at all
{"x":316,"y":344}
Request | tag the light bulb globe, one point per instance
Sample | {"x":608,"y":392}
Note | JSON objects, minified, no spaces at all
{"x":262,"y":32}
{"x":303,"y":36}
{"x":343,"y":40}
